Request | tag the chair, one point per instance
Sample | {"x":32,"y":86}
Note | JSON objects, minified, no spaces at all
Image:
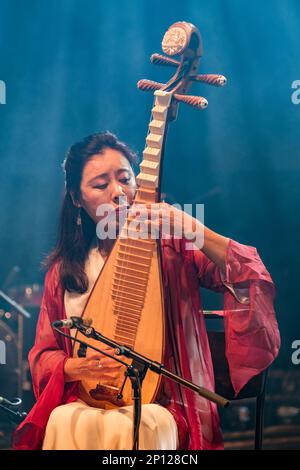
{"x":255,"y":388}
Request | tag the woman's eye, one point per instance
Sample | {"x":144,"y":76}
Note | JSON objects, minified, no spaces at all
{"x":124,"y":180}
{"x":105,"y":185}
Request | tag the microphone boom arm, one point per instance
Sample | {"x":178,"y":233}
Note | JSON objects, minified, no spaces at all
{"x":156,"y":367}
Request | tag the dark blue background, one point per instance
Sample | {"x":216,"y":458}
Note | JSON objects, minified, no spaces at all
{"x":71,"y":68}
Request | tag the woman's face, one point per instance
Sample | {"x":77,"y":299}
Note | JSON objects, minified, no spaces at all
{"x":107,"y":178}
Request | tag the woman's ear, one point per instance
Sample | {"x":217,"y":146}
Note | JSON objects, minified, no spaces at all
{"x":76,"y":203}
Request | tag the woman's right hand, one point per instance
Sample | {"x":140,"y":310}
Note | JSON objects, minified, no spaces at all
{"x":94,"y":366}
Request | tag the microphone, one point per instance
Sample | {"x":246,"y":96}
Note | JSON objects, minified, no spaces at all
{"x":68,"y":323}
{"x":72,"y":322}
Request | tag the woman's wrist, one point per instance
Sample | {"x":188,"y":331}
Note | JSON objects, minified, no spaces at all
{"x":213,"y":245}
{"x":71,"y":370}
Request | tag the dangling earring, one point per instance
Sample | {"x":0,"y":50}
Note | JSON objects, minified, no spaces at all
{"x":78,"y":221}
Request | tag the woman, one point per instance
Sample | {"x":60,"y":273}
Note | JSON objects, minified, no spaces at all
{"x":99,"y":170}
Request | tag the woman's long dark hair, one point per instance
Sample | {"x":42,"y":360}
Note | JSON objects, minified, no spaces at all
{"x":74,"y":240}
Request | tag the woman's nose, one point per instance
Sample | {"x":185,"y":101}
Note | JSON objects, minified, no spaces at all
{"x":117,"y":194}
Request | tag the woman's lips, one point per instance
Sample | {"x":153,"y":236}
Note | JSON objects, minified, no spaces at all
{"x":121,"y":209}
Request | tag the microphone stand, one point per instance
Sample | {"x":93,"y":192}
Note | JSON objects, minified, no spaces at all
{"x":137,"y":370}
{"x":16,"y":416}
{"x":15,"y":305}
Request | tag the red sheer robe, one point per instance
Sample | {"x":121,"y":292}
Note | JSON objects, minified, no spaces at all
{"x":251,"y":332}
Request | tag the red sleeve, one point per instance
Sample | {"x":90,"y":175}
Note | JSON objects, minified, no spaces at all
{"x":46,"y":360}
{"x":251,"y":330}
{"x":50,"y":350}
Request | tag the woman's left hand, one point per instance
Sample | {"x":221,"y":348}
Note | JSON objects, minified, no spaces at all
{"x":167,"y":220}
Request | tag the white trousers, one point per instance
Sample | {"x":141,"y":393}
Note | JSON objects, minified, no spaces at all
{"x":78,"y":426}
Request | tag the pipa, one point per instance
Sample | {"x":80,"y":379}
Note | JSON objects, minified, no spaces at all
{"x":127,"y":301}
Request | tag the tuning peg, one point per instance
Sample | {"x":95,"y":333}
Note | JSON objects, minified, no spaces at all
{"x":158,"y":59}
{"x":195,"y":101}
{"x":210,"y":79}
{"x":149,"y":85}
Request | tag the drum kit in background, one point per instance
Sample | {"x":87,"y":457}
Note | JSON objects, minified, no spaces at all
{"x":19,"y":309}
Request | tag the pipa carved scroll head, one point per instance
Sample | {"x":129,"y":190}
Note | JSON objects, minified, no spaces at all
{"x":179,"y":37}
{"x":184,"y":40}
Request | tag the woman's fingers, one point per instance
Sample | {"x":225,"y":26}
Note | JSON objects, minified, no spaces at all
{"x":107,"y":372}
{"x":96,"y":355}
{"x":93,"y":356}
{"x":105,"y":366}
{"x":104,"y":363}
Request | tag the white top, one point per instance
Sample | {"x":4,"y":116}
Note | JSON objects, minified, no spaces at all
{"x":75,"y":301}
